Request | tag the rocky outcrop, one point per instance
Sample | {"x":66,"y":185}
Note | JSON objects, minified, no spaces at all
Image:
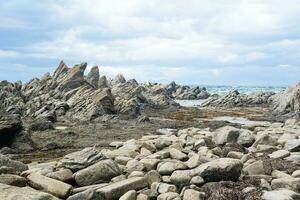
{"x":288,"y":101}
{"x":179,"y":92}
{"x":68,"y":92}
{"x":93,"y":76}
{"x":236,"y":99}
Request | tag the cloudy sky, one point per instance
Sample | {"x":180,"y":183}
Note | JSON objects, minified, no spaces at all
{"x":228,"y":42}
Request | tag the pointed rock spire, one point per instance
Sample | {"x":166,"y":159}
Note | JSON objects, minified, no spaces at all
{"x":61,"y":70}
{"x":93,"y":76}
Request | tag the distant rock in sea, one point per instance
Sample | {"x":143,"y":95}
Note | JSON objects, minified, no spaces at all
{"x":288,"y":101}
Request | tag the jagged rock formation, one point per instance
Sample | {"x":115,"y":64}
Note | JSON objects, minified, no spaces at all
{"x":179,"y":92}
{"x":69,"y":93}
{"x":288,"y":101}
{"x":93,"y":76}
{"x":236,"y":99}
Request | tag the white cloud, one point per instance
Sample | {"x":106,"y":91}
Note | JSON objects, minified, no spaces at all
{"x":172,"y":37}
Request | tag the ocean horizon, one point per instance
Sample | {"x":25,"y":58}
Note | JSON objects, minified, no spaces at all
{"x":223,"y":89}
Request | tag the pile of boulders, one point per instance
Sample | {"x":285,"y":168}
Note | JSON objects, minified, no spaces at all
{"x":259,"y":161}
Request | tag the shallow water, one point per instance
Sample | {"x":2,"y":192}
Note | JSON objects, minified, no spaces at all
{"x":190,"y":103}
{"x":239,"y":120}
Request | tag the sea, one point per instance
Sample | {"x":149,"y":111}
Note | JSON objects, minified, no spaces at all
{"x":223,"y":89}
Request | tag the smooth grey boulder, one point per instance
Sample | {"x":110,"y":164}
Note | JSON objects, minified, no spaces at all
{"x":116,"y":190}
{"x":190,"y":194}
{"x":181,"y":177}
{"x":8,"y":192}
{"x":82,"y":159}
{"x":100,"y":172}
{"x":49,"y":185}
{"x":17,"y":166}
{"x":89,"y":194}
{"x":167,"y":168}
{"x":279,"y":154}
{"x":219,"y":169}
{"x":130,"y":195}
{"x":226,"y":134}
{"x":293,"y":145}
{"x":258,"y":168}
{"x":11,"y":179}
{"x":281,"y":194}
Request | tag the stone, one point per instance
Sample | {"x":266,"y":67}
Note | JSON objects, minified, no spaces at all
{"x":281,"y":194}
{"x":99,"y":172}
{"x":14,"y":180}
{"x":258,"y":168}
{"x":134,"y":165}
{"x":163,"y":143}
{"x":89,"y":187}
{"x":142,"y":197}
{"x":150,"y":163}
{"x":190,"y":194}
{"x":296,"y":174}
{"x":161,"y":188}
{"x":293,"y":145}
{"x":169,"y":196}
{"x":178,"y":155}
{"x":82,"y":159}
{"x":64,"y":175}
{"x":193,"y":161}
{"x":279,"y":154}
{"x":288,"y":183}
{"x":89,"y":194}
{"x":136,"y":174}
{"x":245,"y":138}
{"x":153,"y":176}
{"x":8,"y":192}
{"x":181,"y":177}
{"x":130,"y":195}
{"x":167,"y":168}
{"x":197,"y":180}
{"x":15,"y":165}
{"x":234,"y":154}
{"x":116,"y":190}
{"x":280,"y":174}
{"x":219,"y":169}
{"x":226,"y":134}
{"x":49,"y":185}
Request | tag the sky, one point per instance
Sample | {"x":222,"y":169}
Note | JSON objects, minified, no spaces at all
{"x":220,"y":42}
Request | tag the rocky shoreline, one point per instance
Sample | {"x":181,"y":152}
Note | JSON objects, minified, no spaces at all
{"x":260,"y":161}
{"x":75,"y":136}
